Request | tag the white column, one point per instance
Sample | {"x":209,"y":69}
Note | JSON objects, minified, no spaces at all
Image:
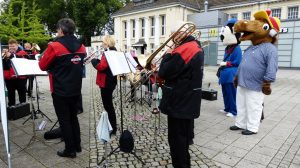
{"x":128,"y":34}
{"x":147,"y":31}
{"x":118,"y":38}
{"x":137,"y":29}
{"x":156,"y":31}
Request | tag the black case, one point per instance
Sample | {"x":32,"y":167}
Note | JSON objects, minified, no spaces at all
{"x":209,"y":94}
{"x":18,"y":111}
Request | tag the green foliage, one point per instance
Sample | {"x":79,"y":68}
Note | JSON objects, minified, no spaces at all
{"x":91,"y":16}
{"x":25,"y":19}
{"x":21,"y":23}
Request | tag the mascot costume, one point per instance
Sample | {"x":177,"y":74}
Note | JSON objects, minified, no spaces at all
{"x":257,"y":69}
{"x":228,"y":67}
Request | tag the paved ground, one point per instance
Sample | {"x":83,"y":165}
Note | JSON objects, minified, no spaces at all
{"x":276,"y":145}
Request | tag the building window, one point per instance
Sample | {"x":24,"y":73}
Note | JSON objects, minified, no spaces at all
{"x":151,"y":47}
{"x":276,"y":13}
{"x":143,"y":27}
{"x":133,"y":28}
{"x":125,"y":29}
{"x":293,"y":12}
{"x":246,"y":15}
{"x":163,"y":25}
{"x":234,"y":15}
{"x":152,"y":27}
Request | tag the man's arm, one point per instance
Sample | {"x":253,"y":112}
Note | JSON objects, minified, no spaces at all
{"x":272,"y":65}
{"x":47,"y":59}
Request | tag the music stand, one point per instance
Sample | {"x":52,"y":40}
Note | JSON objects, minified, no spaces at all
{"x":38,"y":111}
{"x":25,"y":67}
{"x":119,"y":65}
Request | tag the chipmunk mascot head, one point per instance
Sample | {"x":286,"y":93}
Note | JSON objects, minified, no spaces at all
{"x":229,"y":65}
{"x":261,"y":30}
{"x":257,"y":69}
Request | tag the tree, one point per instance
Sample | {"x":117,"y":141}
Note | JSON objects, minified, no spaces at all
{"x":36,"y":30}
{"x":92,"y":16}
{"x":8,"y":28}
{"x":52,"y":11}
{"x":22,"y":24}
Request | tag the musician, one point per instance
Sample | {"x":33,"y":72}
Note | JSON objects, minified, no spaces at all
{"x":182,"y":69}
{"x":106,"y":81}
{"x":63,"y":59}
{"x":13,"y":82}
{"x":30,"y":55}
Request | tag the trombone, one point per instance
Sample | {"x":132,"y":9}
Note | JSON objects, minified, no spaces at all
{"x":89,"y":58}
{"x":176,"y":38}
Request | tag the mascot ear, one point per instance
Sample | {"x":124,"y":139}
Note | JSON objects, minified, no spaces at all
{"x":272,"y":33}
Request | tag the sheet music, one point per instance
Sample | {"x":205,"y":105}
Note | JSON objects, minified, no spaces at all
{"x":131,"y":59}
{"x":117,"y":62}
{"x":24,"y":67}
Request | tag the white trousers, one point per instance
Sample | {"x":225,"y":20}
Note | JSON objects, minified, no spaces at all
{"x":249,"y":108}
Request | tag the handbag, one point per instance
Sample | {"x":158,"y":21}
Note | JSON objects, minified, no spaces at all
{"x":219,"y":70}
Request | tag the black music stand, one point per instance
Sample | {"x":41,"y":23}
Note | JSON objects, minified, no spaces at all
{"x":38,"y":111}
{"x":24,"y":67}
{"x":112,"y":64}
{"x":122,"y":130}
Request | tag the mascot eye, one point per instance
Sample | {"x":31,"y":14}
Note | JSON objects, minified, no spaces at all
{"x":266,"y":26}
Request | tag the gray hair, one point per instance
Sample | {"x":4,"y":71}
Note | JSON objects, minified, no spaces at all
{"x":67,"y":26}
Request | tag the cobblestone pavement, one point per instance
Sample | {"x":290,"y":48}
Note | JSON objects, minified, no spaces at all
{"x":277,"y":143}
{"x":149,"y":131}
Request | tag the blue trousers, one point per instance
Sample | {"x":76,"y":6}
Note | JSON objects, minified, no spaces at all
{"x":229,"y":97}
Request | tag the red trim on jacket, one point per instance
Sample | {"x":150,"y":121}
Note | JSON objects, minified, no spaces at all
{"x":51,"y":82}
{"x":53,"y":51}
{"x":187,"y":50}
{"x":101,"y":74}
{"x":11,"y":74}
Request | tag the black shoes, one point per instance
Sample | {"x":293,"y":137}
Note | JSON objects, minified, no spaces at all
{"x":64,"y":153}
{"x":244,"y":132}
{"x":235,"y":128}
{"x":247,"y":132}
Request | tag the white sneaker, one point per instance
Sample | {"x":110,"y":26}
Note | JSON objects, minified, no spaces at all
{"x":222,"y":111}
{"x":230,"y":115}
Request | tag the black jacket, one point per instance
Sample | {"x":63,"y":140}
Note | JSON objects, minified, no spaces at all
{"x":182,"y":71}
{"x":64,"y":61}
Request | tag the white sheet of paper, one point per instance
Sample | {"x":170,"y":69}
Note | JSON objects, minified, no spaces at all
{"x":117,"y":62}
{"x":3,"y":112}
{"x":131,"y":59}
{"x":132,"y":63}
{"x":25,"y":67}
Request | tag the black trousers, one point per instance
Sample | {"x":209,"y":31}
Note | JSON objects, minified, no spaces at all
{"x":30,"y":85}
{"x":106,"y":95}
{"x":12,"y":86}
{"x":66,"y":111}
{"x":80,"y":105}
{"x":179,"y":135}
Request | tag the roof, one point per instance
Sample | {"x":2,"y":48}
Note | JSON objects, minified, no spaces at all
{"x":156,"y":4}
{"x":195,"y":4}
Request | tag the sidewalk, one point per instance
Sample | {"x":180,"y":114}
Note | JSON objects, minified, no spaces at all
{"x":277,"y":142}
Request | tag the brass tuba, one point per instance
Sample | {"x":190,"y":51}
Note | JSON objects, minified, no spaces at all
{"x":181,"y":34}
{"x":176,"y":38}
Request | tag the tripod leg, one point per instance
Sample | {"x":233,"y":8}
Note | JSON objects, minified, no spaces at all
{"x":134,"y":154}
{"x":43,"y":114}
{"x":54,"y":125}
{"x":112,"y":152}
